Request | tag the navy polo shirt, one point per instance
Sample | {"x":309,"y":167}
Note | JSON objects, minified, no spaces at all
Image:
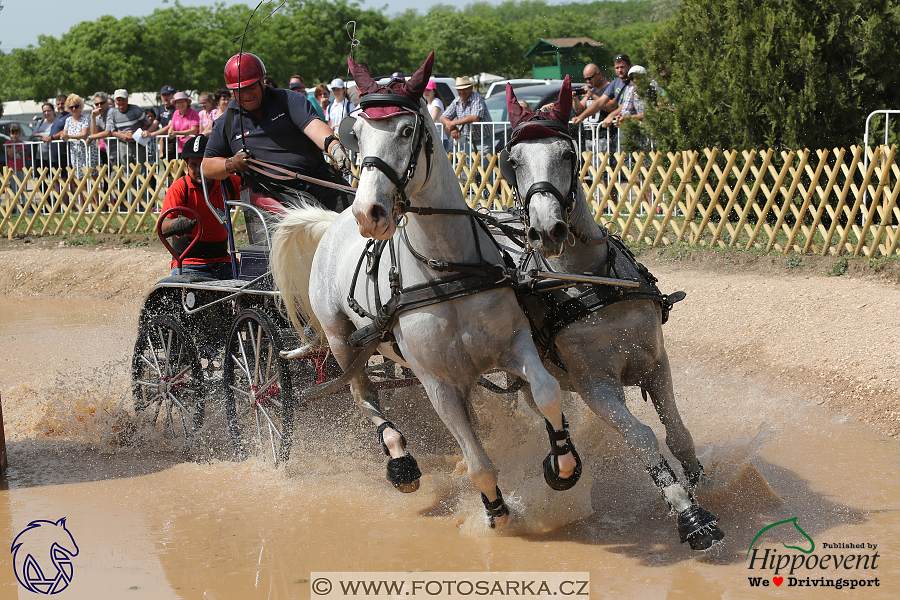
{"x":275,"y":137}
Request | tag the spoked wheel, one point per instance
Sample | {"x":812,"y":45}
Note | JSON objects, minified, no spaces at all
{"x":167,"y":377}
{"x":258,"y":394}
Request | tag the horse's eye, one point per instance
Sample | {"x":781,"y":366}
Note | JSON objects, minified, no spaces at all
{"x":513,"y":163}
{"x":407,"y":131}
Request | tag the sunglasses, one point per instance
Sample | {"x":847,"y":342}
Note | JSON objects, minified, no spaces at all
{"x":74,"y":106}
{"x":589,"y":77}
{"x":101,"y":103}
{"x":622,"y":57}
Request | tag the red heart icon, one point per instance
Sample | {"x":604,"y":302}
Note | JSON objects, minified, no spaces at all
{"x":778,"y":580}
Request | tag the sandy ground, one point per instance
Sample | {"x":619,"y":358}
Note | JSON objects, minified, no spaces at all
{"x":784,"y":319}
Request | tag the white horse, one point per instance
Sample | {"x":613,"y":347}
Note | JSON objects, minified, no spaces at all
{"x":621,"y":342}
{"x":475,"y":324}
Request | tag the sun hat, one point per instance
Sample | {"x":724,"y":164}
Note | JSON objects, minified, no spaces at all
{"x":120,"y":93}
{"x":637,"y":69}
{"x":463,"y":83}
{"x":431,"y":84}
{"x":337,"y":84}
{"x":180,"y":96}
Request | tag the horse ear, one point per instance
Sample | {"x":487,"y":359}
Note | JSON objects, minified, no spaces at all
{"x":563,"y":107}
{"x":415,"y":87}
{"x":512,"y":106}
{"x":364,"y":81}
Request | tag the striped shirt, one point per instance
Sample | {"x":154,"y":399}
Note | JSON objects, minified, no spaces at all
{"x":130,"y":120}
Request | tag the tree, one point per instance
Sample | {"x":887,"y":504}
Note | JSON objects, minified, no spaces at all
{"x":773,"y":73}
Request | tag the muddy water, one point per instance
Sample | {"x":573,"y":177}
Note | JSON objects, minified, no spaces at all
{"x":156,"y":519}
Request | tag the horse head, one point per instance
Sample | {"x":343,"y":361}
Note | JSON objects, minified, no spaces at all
{"x":395,"y":137}
{"x":541,"y":163}
{"x":39,"y":551}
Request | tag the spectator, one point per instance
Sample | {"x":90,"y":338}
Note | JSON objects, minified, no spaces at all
{"x":398,"y":75}
{"x":59,"y":153}
{"x":435,"y":108}
{"x":270,"y":82}
{"x":42,"y":131}
{"x":633,"y":104}
{"x":341,"y":107}
{"x":322,"y":99}
{"x":185,"y":122}
{"x":297,"y":85}
{"x":164,"y":115}
{"x":618,"y":87}
{"x":102,"y":106}
{"x":595,"y":103}
{"x":465,"y":110}
{"x":78,"y":127}
{"x":353,"y":92}
{"x":152,"y":149}
{"x":207,"y":105}
{"x":61,"y":106}
{"x":223,"y":97}
{"x":122,"y":123}
{"x":15,"y":159}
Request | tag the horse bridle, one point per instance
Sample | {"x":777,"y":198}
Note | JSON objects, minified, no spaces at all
{"x":422,"y":137}
{"x":567,"y":200}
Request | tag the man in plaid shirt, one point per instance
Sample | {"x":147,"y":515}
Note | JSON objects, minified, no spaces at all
{"x":468,"y":108}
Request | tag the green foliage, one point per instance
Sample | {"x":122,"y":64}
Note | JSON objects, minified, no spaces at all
{"x":839,"y":268}
{"x":768,"y":73}
{"x":187,"y":46}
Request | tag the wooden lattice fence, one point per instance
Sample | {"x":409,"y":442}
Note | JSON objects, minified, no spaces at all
{"x":823,"y":202}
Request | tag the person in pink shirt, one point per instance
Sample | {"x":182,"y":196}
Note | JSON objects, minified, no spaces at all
{"x":185,"y":121}
{"x":207,"y":104}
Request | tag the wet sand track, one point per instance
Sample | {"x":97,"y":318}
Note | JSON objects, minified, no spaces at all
{"x":787,"y":382}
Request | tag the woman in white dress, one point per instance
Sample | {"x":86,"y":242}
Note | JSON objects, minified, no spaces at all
{"x":76,"y":129}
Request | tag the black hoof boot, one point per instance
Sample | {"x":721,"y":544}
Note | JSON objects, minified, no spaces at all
{"x":494,"y":509}
{"x":551,"y":462}
{"x":403,"y":472}
{"x":698,"y":527}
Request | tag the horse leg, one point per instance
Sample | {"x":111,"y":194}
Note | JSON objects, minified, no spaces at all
{"x":562,"y":467}
{"x":678,"y":438}
{"x":402,"y":469}
{"x":606,"y":398}
{"x":449,"y":403}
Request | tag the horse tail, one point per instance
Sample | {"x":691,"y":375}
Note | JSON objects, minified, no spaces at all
{"x":294,"y":244}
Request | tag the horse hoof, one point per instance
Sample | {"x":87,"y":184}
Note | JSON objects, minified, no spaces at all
{"x":699,"y":528}
{"x":407,"y":488}
{"x":551,"y":473}
{"x":404,"y":473}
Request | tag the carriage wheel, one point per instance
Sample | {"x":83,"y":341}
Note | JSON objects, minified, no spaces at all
{"x":258,"y":392}
{"x":167,"y":377}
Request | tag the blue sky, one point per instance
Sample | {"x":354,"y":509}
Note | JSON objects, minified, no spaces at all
{"x":22,"y":22}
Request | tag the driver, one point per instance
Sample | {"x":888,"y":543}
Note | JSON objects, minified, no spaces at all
{"x":209,"y":256}
{"x":278,"y":127}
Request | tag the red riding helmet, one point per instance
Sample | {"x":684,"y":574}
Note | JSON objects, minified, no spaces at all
{"x":251,"y":70}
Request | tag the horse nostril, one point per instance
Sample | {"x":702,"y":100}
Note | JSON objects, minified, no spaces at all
{"x":533,"y":236}
{"x":378,"y":213}
{"x":559,"y":232}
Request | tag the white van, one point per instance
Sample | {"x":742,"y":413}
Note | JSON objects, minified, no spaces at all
{"x":499,"y":87}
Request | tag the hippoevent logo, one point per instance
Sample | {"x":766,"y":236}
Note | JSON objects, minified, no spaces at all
{"x":42,"y":556}
{"x":773,"y":565}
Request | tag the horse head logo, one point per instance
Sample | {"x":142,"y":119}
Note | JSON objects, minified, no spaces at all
{"x":42,"y":556}
{"x":796,"y":526}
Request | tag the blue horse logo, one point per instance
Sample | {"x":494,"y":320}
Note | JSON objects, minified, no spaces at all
{"x":42,"y":556}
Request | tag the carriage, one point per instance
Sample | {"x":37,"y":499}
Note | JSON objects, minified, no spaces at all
{"x":203,"y":340}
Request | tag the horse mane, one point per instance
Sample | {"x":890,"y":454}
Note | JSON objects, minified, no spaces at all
{"x":294,"y":245}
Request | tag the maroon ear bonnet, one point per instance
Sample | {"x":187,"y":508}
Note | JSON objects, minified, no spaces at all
{"x":531,"y":121}
{"x":413,"y":88}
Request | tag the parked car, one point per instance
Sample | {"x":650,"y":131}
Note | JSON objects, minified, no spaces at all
{"x":499,"y":87}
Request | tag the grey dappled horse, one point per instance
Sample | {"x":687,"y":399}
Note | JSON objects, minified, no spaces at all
{"x":476,"y":326}
{"x":619,"y":344}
